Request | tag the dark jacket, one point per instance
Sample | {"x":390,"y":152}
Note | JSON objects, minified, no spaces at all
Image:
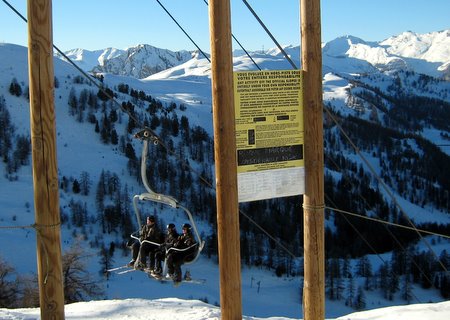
{"x":185,"y":240}
{"x":171,"y":239}
{"x":150,"y":233}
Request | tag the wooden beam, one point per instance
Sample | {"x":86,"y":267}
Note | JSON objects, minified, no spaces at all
{"x":225,"y":160}
{"x":313,"y":203}
{"x":45,"y":174}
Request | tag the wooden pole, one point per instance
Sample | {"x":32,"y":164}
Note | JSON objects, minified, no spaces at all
{"x":45,"y":175}
{"x":313,"y":203}
{"x":225,"y":160}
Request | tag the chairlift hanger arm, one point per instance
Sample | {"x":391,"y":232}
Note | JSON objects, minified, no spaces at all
{"x":147,"y":135}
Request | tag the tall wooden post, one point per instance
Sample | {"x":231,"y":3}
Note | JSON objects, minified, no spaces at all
{"x":45,"y":175}
{"x":313,"y":203}
{"x":225,"y":160}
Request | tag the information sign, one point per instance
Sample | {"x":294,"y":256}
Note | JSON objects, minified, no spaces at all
{"x":269,"y":134}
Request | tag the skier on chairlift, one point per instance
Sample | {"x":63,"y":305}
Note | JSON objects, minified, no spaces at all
{"x":175,"y":258}
{"x":149,"y":240}
{"x":169,"y":241}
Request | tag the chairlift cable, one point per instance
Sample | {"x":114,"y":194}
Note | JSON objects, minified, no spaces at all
{"x":187,"y":35}
{"x":378,"y":255}
{"x":388,"y":223}
{"x":373,"y":249}
{"x":270,"y":34}
{"x":60,"y":52}
{"x":277,"y":241}
{"x":248,"y":55}
{"x":385,"y":187}
{"x":14,"y":9}
{"x":393,"y":236}
{"x":380,"y":220}
{"x":237,"y":41}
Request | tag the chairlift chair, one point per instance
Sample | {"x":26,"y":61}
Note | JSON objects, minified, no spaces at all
{"x":147,"y":135}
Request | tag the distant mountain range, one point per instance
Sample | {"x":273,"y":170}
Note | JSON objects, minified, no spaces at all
{"x":423,"y":53}
{"x":139,"y":62}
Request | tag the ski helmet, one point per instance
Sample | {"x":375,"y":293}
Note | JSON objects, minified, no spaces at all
{"x":170,"y":226}
{"x":186,"y":226}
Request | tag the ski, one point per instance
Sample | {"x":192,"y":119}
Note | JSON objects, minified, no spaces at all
{"x":168,"y":279}
{"x":117,"y":268}
{"x":126,"y":271}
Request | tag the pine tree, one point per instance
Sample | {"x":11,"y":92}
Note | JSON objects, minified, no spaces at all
{"x":99,"y":199}
{"x":73,"y":102}
{"x":6,"y":131}
{"x":76,"y":186}
{"x":445,"y":286}
{"x":126,"y":214}
{"x":363,"y":267}
{"x":383,"y":275}
{"x":23,"y":150}
{"x":114,"y":137}
{"x":175,"y":125}
{"x":407,"y":288}
{"x":129,"y":151}
{"x":350,"y":298}
{"x":85,"y":183}
{"x":360,"y":299}
{"x":185,"y":130}
{"x":393,"y":285}
{"x":334,"y":285}
{"x":14,"y":88}
{"x":106,"y":259}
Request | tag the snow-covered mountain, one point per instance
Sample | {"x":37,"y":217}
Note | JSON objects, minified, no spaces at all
{"x":139,"y":61}
{"x":365,"y":85}
{"x":422,"y":53}
{"x":428,"y":54}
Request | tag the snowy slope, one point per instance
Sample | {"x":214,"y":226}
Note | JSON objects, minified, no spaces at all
{"x":177,"y":309}
{"x":87,"y":60}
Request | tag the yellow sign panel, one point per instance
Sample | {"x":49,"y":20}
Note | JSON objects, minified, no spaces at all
{"x":269,"y":131}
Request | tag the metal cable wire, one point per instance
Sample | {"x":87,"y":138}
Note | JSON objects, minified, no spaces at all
{"x":401,"y":246}
{"x":372,"y":248}
{"x":385,"y":187}
{"x":377,"y":220}
{"x":187,"y":35}
{"x":388,"y":223}
{"x":270,"y":34}
{"x":235,"y":39}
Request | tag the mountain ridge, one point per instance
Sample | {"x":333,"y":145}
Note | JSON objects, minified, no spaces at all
{"x":400,"y":52}
{"x":139,"y":61}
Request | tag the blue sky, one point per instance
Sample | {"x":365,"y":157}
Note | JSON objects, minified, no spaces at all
{"x":98,"y":24}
